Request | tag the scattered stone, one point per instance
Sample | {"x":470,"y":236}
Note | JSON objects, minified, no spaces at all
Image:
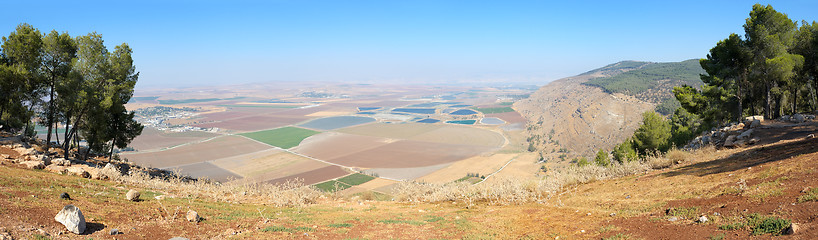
{"x":752,"y":141}
{"x":33,"y":164}
{"x":810,"y":136}
{"x":806,"y":189}
{"x":745,"y":134}
{"x":6,"y":236}
{"x":716,"y":214}
{"x":797,"y":118}
{"x":230,"y":231}
{"x":673,"y":219}
{"x":792,"y":229}
{"x":56,"y":169}
{"x":613,"y":214}
{"x":132,"y":195}
{"x":65,"y":196}
{"x":115,"y":231}
{"x":61,"y":162}
{"x":178,"y":238}
{"x":192,"y":216}
{"x":79,"y":171}
{"x":71,"y":217}
{"x":703,"y":219}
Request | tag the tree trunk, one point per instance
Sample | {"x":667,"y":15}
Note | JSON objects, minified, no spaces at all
{"x":111,"y":155}
{"x":768,"y":111}
{"x":50,"y":113}
{"x":57,"y":135}
{"x":738,"y":95}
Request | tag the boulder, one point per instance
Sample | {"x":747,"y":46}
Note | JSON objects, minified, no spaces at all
{"x":79,"y":171}
{"x":755,"y":124}
{"x":56,"y":169}
{"x":61,"y":162}
{"x":132,"y":195}
{"x":753,"y":118}
{"x":33,"y":164}
{"x":192,"y":216}
{"x":702,"y":219}
{"x":730,"y":141}
{"x":71,"y":217}
{"x":797,"y":118}
{"x":65,"y":196}
{"x":24,"y":151}
{"x":745,"y":134}
{"x":95,"y":173}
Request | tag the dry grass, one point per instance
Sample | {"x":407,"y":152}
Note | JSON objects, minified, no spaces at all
{"x":291,"y":194}
{"x":511,"y":190}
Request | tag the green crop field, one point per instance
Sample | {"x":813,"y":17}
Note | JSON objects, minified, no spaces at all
{"x":495,"y":110}
{"x":285,"y":137}
{"x":331,"y":186}
{"x":356,"y":179}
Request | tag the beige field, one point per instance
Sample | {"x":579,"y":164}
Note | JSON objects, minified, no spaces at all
{"x":408,"y":153}
{"x":216,"y":148}
{"x":483,"y":165}
{"x":312,"y":176}
{"x":332,"y":145}
{"x":391,"y":130}
{"x":462,"y":135}
{"x":524,"y":166}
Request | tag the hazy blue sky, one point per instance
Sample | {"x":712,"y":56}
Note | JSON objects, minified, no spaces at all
{"x":182,"y":43}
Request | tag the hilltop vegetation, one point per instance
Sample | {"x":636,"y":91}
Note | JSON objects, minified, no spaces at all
{"x":649,"y":81}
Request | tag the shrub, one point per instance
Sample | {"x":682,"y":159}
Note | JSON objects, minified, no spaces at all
{"x":653,"y":134}
{"x":602,"y":158}
{"x":764,"y":225}
{"x":624,"y":152}
{"x":810,"y":195}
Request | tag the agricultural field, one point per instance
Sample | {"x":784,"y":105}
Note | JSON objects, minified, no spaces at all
{"x":285,"y":137}
{"x":396,"y":132}
{"x":153,"y":139}
{"x":220,"y":147}
{"x":344,"y":182}
{"x":490,"y":110}
{"x":492,"y":121}
{"x":332,"y":144}
{"x":331,"y":123}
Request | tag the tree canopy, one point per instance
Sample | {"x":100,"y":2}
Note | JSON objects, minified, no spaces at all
{"x":74,"y":81}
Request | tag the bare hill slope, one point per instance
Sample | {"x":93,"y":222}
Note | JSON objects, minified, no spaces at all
{"x":580,"y":118}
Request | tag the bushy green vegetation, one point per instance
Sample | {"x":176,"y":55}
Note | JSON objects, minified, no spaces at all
{"x":494,"y":110}
{"x":772,"y":70}
{"x":653,"y":134}
{"x":285,"y":137}
{"x":810,"y":195}
{"x":668,"y":106}
{"x":602,"y":158}
{"x":648,"y":77}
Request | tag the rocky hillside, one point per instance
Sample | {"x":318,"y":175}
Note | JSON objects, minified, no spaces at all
{"x":744,"y":192}
{"x":579,"y":115}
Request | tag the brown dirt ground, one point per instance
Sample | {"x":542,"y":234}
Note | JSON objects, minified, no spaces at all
{"x":332,"y":144}
{"x":314,"y":176}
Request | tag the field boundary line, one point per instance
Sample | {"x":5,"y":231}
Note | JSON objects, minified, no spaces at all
{"x":498,"y":170}
{"x":312,"y":158}
{"x":180,"y":145}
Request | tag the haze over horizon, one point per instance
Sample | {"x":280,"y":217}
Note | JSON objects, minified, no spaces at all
{"x":192,"y":43}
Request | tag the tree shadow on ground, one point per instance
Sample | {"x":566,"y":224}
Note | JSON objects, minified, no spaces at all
{"x":748,"y":158}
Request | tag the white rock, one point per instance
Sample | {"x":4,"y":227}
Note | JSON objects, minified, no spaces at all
{"x":703,"y":219}
{"x":192,"y":216}
{"x":132,"y":195}
{"x":745,"y":134}
{"x":33,"y":164}
{"x":71,"y":217}
{"x":79,"y":171}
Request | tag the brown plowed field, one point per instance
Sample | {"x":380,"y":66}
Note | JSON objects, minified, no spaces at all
{"x":332,"y":145}
{"x":254,"y":123}
{"x":462,"y":135}
{"x":199,"y":152}
{"x":391,"y":130}
{"x":314,"y":176}
{"x":207,"y":170}
{"x":407,"y":153}
{"x":155,"y":139}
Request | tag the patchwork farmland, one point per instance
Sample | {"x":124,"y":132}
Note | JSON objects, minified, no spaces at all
{"x":356,"y":143}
